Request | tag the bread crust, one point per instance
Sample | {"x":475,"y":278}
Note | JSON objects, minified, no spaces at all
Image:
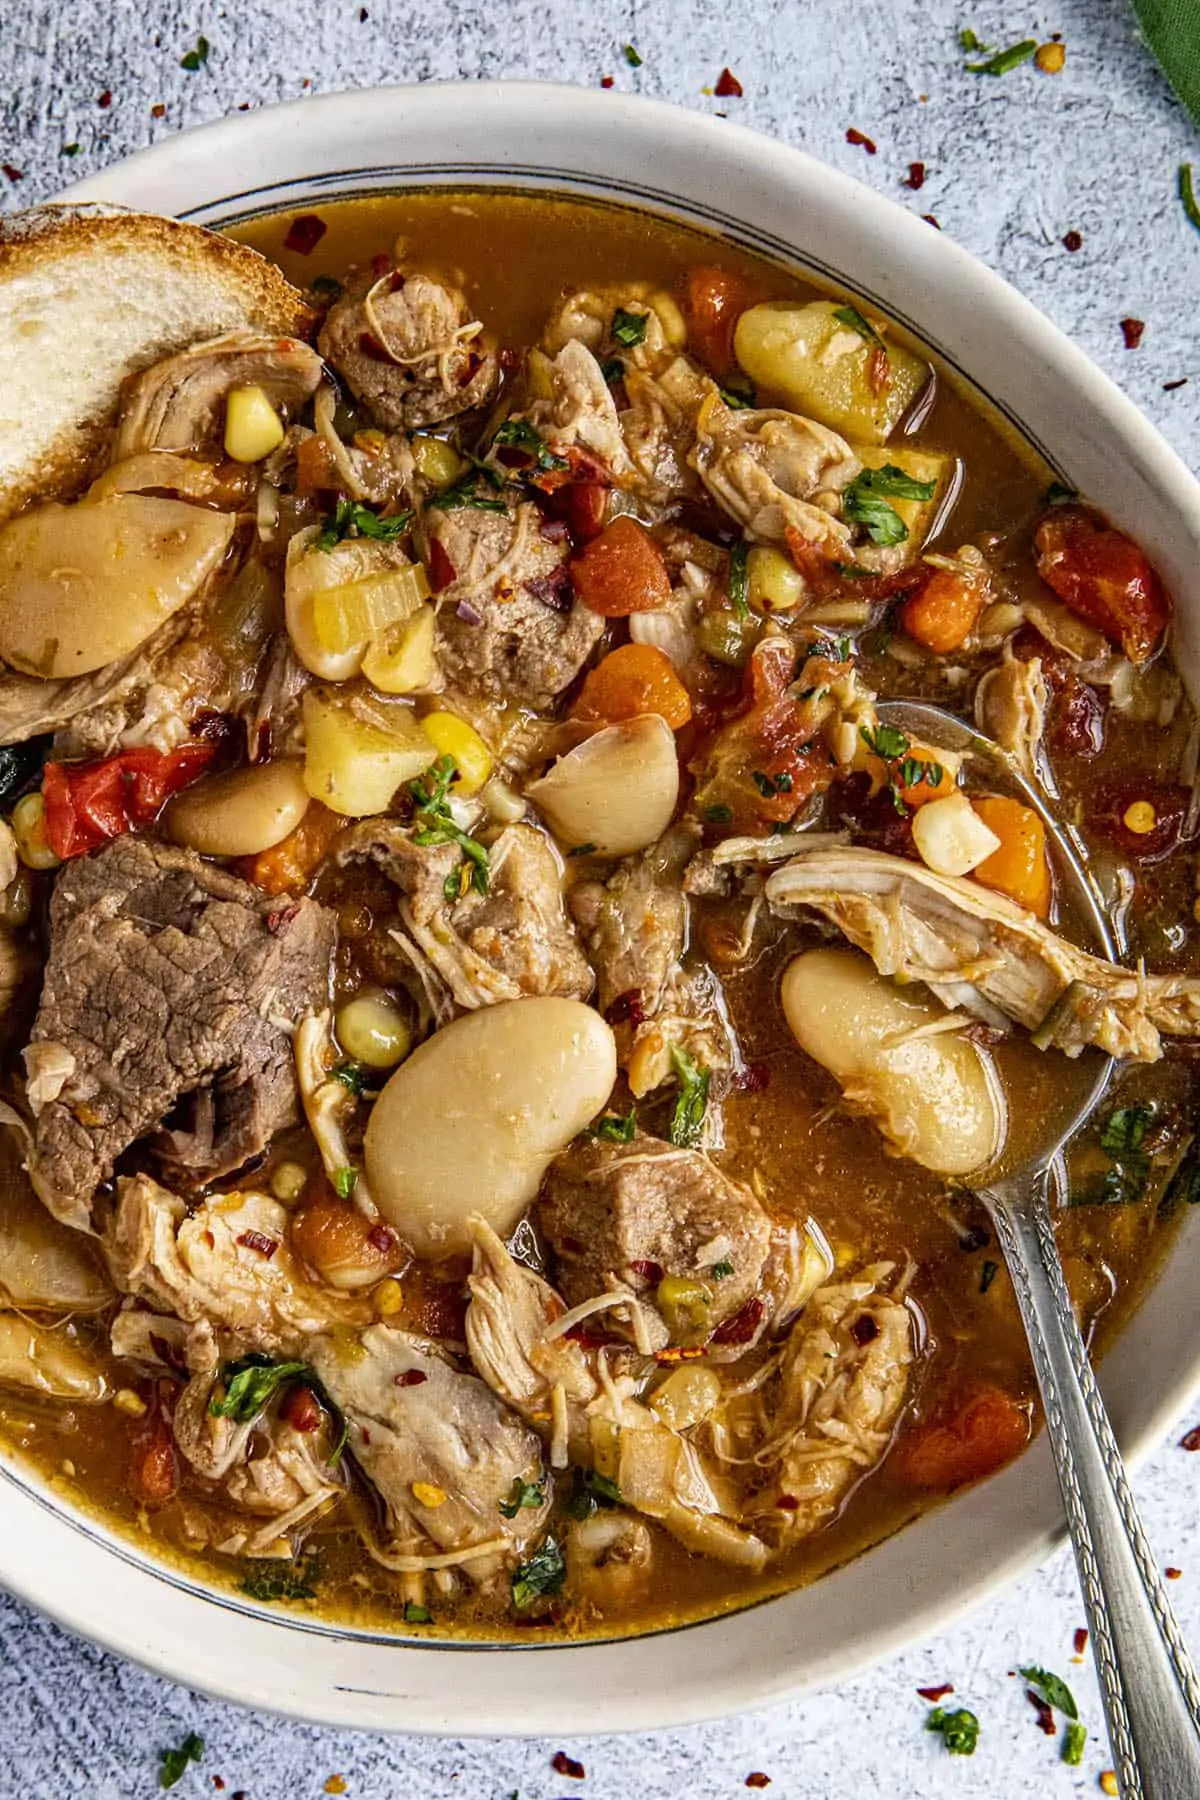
{"x":60,"y":286}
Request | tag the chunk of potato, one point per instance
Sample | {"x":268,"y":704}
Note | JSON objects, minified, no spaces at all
{"x":354,"y":767}
{"x":923,"y":465}
{"x":934,"y":1095}
{"x":471,"y":1121}
{"x":822,"y":367}
{"x":84,"y":585}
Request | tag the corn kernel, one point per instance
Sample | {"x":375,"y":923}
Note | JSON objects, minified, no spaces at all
{"x":252,"y":426}
{"x":426,"y":1494}
{"x":126,"y":1401}
{"x":288,"y":1181}
{"x":68,"y":1468}
{"x":436,"y":460}
{"x":29,"y":829}
{"x":1108,"y":1782}
{"x":389,"y":1298}
{"x":773,"y":583}
{"x":1140,"y":817}
{"x":1050,"y":58}
{"x":452,"y":736}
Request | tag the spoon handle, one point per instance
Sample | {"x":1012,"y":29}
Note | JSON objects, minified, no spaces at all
{"x":1148,"y":1684}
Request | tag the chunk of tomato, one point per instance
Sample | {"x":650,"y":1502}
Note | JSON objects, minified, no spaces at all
{"x":713,"y":301}
{"x":972,"y":1437}
{"x":622,"y":571}
{"x":1102,"y":576}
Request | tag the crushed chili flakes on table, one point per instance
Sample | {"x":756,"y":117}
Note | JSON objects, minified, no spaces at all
{"x":305,"y":233}
{"x":158,"y":110}
{"x":728,"y":86}
{"x":218,"y":1782}
{"x":930,"y":220}
{"x":105,"y":98}
{"x":1168,"y":387}
{"x":1190,"y":1439}
{"x":1045,"y":1714}
{"x":1131,"y":331}
{"x":1080,"y":1640}
{"x":13,"y":174}
{"x":934,"y":1694}
{"x":1172,"y":1574}
{"x":606,"y":81}
{"x":855,"y":136}
{"x":562,"y":1764}
{"x":916,"y":176}
{"x":1072,"y":240}
{"x":757,"y":1779}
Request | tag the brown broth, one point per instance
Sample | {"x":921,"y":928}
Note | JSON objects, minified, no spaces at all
{"x":514,"y":256}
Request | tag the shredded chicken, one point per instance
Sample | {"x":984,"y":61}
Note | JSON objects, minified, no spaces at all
{"x":178,"y":404}
{"x":581,"y":411}
{"x":773,"y":472}
{"x":1010,"y":706}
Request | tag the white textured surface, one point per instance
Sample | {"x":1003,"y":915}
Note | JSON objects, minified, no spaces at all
{"x":1012,"y":165}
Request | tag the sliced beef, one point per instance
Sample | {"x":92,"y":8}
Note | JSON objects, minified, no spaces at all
{"x":512,"y":941}
{"x":169,"y":995}
{"x":634,"y":924}
{"x":509,"y":625}
{"x":405,"y":345}
{"x":643,"y":1210}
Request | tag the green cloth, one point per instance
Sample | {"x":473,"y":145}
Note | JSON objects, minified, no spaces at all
{"x":1172,"y":30}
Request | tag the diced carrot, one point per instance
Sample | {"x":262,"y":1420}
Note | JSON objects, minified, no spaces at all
{"x":943,"y":612}
{"x":291,"y":864}
{"x":977,"y":1435}
{"x":622,"y":571}
{"x":637,"y":678}
{"x":713,"y":300}
{"x":1104,"y":578}
{"x":315,"y":467}
{"x":1020,"y":868}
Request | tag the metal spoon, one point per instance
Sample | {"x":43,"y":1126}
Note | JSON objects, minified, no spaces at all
{"x":1148,"y":1684}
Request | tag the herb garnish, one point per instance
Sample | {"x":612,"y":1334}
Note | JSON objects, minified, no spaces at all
{"x":435,"y":824}
{"x":959,"y":1729}
{"x":613,"y":1129}
{"x":251,"y":1383}
{"x":416,"y":1615}
{"x":1004,"y":60}
{"x":988,"y":1274}
{"x":718,"y":815}
{"x":325,"y":287}
{"x":970,"y":42}
{"x":275,"y":1581}
{"x":71,"y":149}
{"x":770,"y":785}
{"x":1052,"y":1688}
{"x":524,"y":1493}
{"x":864,"y":502}
{"x":540,"y":1577}
{"x":352,"y":1077}
{"x":582,"y":850}
{"x":739,"y":394}
{"x":1187,"y":194}
{"x":1058,"y":494}
{"x":589,"y":1491}
{"x":353,"y":519}
{"x":887,"y":741}
{"x":721,"y":1271}
{"x":175,"y":1762}
{"x":613,"y":370}
{"x":632,"y":57}
{"x":344,"y":1181}
{"x":850,"y":315}
{"x":1123,"y":1142}
{"x":629,"y":328}
{"x":519,"y":434}
{"x":465,"y":492}
{"x":1074,"y":1743}
{"x":739,"y":585}
{"x":912,"y":772}
{"x":196,"y":59}
{"x":687,"y":1119}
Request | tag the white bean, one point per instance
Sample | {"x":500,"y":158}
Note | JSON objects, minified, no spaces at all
{"x":241,"y":812}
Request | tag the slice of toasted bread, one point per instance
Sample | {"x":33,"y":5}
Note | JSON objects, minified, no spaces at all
{"x":88,"y":295}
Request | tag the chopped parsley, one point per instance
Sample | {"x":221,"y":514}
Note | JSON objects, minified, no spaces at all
{"x":589,"y":1491}
{"x":435,"y":823}
{"x":351,"y":1076}
{"x":524,"y":1493}
{"x":1053,"y":1689}
{"x":1005,"y":60}
{"x":416,"y":1615}
{"x":853,"y":572}
{"x":175,"y":1762}
{"x":251,"y":1383}
{"x":770,"y":785}
{"x":196,"y":58}
{"x":613,"y":370}
{"x":325,"y":287}
{"x":959,"y":1729}
{"x":865,"y":501}
{"x":582,"y":850}
{"x":1187,"y":194}
{"x":629,"y":328}
{"x":721,"y":1271}
{"x":988,"y":1274}
{"x":911,"y":772}
{"x":70,"y":149}
{"x":615,"y":1129}
{"x":519,"y":434}
{"x":887,"y":741}
{"x":971,"y":43}
{"x":1074,"y":1743}
{"x":850,"y":316}
{"x":276,"y":1581}
{"x":1123,"y":1140}
{"x":687,"y":1119}
{"x":344,"y":1180}
{"x":632,"y":57}
{"x":539,"y":1578}
{"x":465,"y":492}
{"x":718,"y":815}
{"x":353,"y":519}
{"x":739,"y":393}
{"x":739,"y":586}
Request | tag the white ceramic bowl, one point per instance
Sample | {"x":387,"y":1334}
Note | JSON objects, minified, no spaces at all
{"x":784,"y":205}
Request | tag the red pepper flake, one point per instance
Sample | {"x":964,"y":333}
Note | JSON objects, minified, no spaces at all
{"x":258,"y":1240}
{"x":934,"y":1694}
{"x":787,"y":1503}
{"x":218,"y":1782}
{"x":879,"y":371}
{"x":1072,"y":240}
{"x":1191,"y":1439}
{"x":441,"y":570}
{"x":1080,"y":1640}
{"x":1131,"y":331}
{"x":756,"y":1778}
{"x":728,"y":87}
{"x":105,"y":99}
{"x":280,"y":918}
{"x":916,"y":176}
{"x":1045,"y":1717}
{"x":744,"y":1323}
{"x":363,"y":15}
{"x":1172,"y":1574}
{"x":753,"y":1079}
{"x":381,"y":1237}
{"x":305,"y":233}
{"x":562,"y":1764}
{"x":649,"y":1271}
{"x":411,"y":1378}
{"x":13,"y":174}
{"x":158,"y":110}
{"x":930,"y":220}
{"x":627,"y":1008}
{"x":1168,"y":387}
{"x":606,"y":81}
{"x":855,"y":136}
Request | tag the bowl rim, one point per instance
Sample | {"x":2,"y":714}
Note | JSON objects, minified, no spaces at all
{"x":173,"y":1647}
